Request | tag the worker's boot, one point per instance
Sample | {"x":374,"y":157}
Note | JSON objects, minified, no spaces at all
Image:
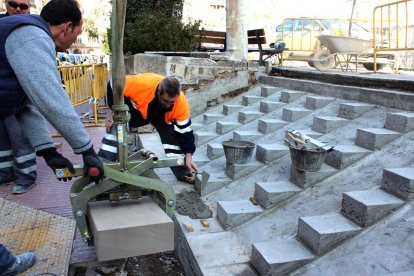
{"x":22,"y":188}
{"x":22,"y":263}
{"x":7,"y":179}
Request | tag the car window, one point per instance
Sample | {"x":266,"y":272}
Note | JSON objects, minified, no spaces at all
{"x":287,"y":26}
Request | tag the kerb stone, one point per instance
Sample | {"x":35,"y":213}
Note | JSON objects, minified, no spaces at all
{"x":351,"y":111}
{"x":402,"y":122}
{"x":233,"y":213}
{"x":268,"y":91}
{"x":294,"y":113}
{"x":272,"y":193}
{"x":325,"y":124}
{"x":399,"y":182}
{"x":266,"y":153}
{"x":344,"y":155}
{"x":288,"y":96}
{"x":375,"y":138}
{"x":316,"y":102}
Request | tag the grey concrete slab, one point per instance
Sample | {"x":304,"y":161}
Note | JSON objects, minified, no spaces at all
{"x":235,"y":212}
{"x":305,"y":179}
{"x":367,"y":207}
{"x":316,"y":102}
{"x":214,"y":150}
{"x":267,"y":106}
{"x":322,"y":233}
{"x":248,"y":116}
{"x":196,"y":126}
{"x":226,"y":126}
{"x":399,"y":181}
{"x":267,"y":126}
{"x":401,"y":122}
{"x":266,"y":153}
{"x":210,"y":118}
{"x":268,"y":194}
{"x":351,"y":111}
{"x":267,"y":91}
{"x":231,"y":108}
{"x":235,"y":171}
{"x":291,"y":114}
{"x":279,"y":257}
{"x":246,"y":135}
{"x":202,"y":137}
{"x":325,"y":124}
{"x":375,"y":138}
{"x":216,"y":181}
{"x":237,"y":269}
{"x":344,"y":155}
{"x":289,"y":96}
{"x":250,"y":99}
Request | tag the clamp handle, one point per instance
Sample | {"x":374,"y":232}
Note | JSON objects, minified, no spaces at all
{"x":93,"y":171}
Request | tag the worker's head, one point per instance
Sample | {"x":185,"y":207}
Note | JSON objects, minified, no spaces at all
{"x":168,"y":91}
{"x":65,"y":22}
{"x":14,"y":7}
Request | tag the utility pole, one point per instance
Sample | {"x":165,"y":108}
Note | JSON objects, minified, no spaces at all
{"x":236,"y":33}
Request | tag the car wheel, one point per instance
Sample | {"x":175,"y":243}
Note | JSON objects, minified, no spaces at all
{"x":323,"y":60}
{"x":370,"y":66}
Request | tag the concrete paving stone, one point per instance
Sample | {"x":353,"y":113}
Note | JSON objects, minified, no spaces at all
{"x":266,"y":153}
{"x":235,"y":171}
{"x":202,"y":137}
{"x":399,"y":182}
{"x":130,"y":228}
{"x":250,"y":99}
{"x":210,"y":118}
{"x":214,"y":150}
{"x":236,"y":212}
{"x":268,"y":194}
{"x":316,"y":102}
{"x":196,"y":126}
{"x":214,"y":183}
{"x":288,"y":96}
{"x":293,"y":114}
{"x":402,"y":122}
{"x":367,"y":207}
{"x":267,"y":91}
{"x":231,"y":108}
{"x":238,"y":269}
{"x":267,"y":106}
{"x":279,"y":257}
{"x":322,"y":233}
{"x":375,"y":138}
{"x":344,"y":155}
{"x":223,"y":127}
{"x":246,"y":135}
{"x":351,"y":111}
{"x":325,"y":124}
{"x":267,"y":126}
{"x":248,"y":116}
{"x":305,"y":179}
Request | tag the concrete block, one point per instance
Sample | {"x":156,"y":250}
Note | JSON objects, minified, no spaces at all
{"x":214,"y":183}
{"x":214,"y":150}
{"x":311,"y":133}
{"x":306,"y":179}
{"x":246,"y":135}
{"x":202,"y":137}
{"x":130,"y":228}
{"x":402,"y":122}
{"x":367,"y":207}
{"x":248,"y":116}
{"x":316,"y":102}
{"x":375,"y":138}
{"x":292,"y":114}
{"x":399,"y":182}
{"x":325,"y":124}
{"x":344,"y":155}
{"x":266,"y":126}
{"x":351,"y":111}
{"x":268,"y":91}
{"x":268,"y":194}
{"x":322,"y":233}
{"x":236,"y":212}
{"x":201,"y":159}
{"x":288,"y":96}
{"x":235,"y":171}
{"x":267,"y":106}
{"x":210,"y":118}
{"x":196,"y":126}
{"x":279,"y":257}
{"x":224,"y":127}
{"x":266,"y":153}
{"x":250,"y":99}
{"x":237,"y":269}
{"x":231,"y":108}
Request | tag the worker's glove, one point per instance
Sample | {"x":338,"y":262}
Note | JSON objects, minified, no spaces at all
{"x":91,"y":160}
{"x":55,"y":160}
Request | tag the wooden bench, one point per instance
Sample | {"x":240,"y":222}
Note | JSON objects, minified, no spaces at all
{"x":257,"y":37}
{"x":212,"y":41}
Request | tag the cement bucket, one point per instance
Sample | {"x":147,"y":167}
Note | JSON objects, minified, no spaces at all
{"x":238,"y":152}
{"x":305,"y":159}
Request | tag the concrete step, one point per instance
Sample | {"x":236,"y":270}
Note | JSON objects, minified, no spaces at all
{"x":267,"y":106}
{"x":248,"y":116}
{"x":279,"y":257}
{"x":305,"y":179}
{"x":267,"y":126}
{"x":401,"y":122}
{"x":210,"y":118}
{"x":322,"y":233}
{"x":325,"y":124}
{"x":399,"y":182}
{"x":196,"y":126}
{"x":289,"y":96}
{"x":351,"y":111}
{"x":375,"y":138}
{"x":202,"y":137}
{"x":266,"y":153}
{"x":246,"y":135}
{"x":236,"y":212}
{"x":268,"y":194}
{"x":235,"y":171}
{"x":367,"y":207}
{"x":267,"y":91}
{"x":214,"y":150}
{"x":215,"y":182}
{"x":223,"y":127}
{"x":344,"y":155}
{"x":316,"y":102}
{"x":250,"y":99}
{"x":292,"y":114}
{"x":231,"y":108}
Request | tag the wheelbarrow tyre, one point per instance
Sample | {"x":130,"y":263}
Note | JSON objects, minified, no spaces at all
{"x":310,"y":61}
{"x":323,"y":60}
{"x":370,"y":66}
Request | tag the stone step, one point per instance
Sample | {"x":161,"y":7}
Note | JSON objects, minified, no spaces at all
{"x":325,"y":124}
{"x":202,"y":137}
{"x":215,"y":182}
{"x":375,"y":138}
{"x":351,"y":111}
{"x":344,"y":155}
{"x":266,"y":153}
{"x":236,"y":212}
{"x":322,"y":233}
{"x":210,"y":118}
{"x":248,"y":116}
{"x":246,"y":135}
{"x":235,"y":171}
{"x":267,"y":91}
{"x":223,"y":127}
{"x":231,"y":108}
{"x":367,"y":207}
{"x":316,"y":102}
{"x":305,"y":179}
{"x":399,"y":182}
{"x":267,"y":126}
{"x":250,"y":99}
{"x":279,"y":257}
{"x":293,"y":114}
{"x":214,"y":150}
{"x":267,"y":106}
{"x":401,"y":122}
{"x":288,"y":96}
{"x":268,"y":194}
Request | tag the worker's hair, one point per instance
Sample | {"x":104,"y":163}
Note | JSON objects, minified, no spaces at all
{"x":171,"y":86}
{"x":56,"y":12}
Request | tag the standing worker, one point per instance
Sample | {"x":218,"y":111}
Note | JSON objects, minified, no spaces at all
{"x":14,"y":146}
{"x":30,"y":88}
{"x":158,"y":100}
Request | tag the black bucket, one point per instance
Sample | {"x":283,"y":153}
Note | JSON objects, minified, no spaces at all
{"x":238,"y":152}
{"x":304,"y":159}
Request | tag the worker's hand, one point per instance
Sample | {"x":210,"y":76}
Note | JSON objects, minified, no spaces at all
{"x":108,"y":124}
{"x":91,"y":160}
{"x":190,"y":164}
{"x":55,"y":160}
